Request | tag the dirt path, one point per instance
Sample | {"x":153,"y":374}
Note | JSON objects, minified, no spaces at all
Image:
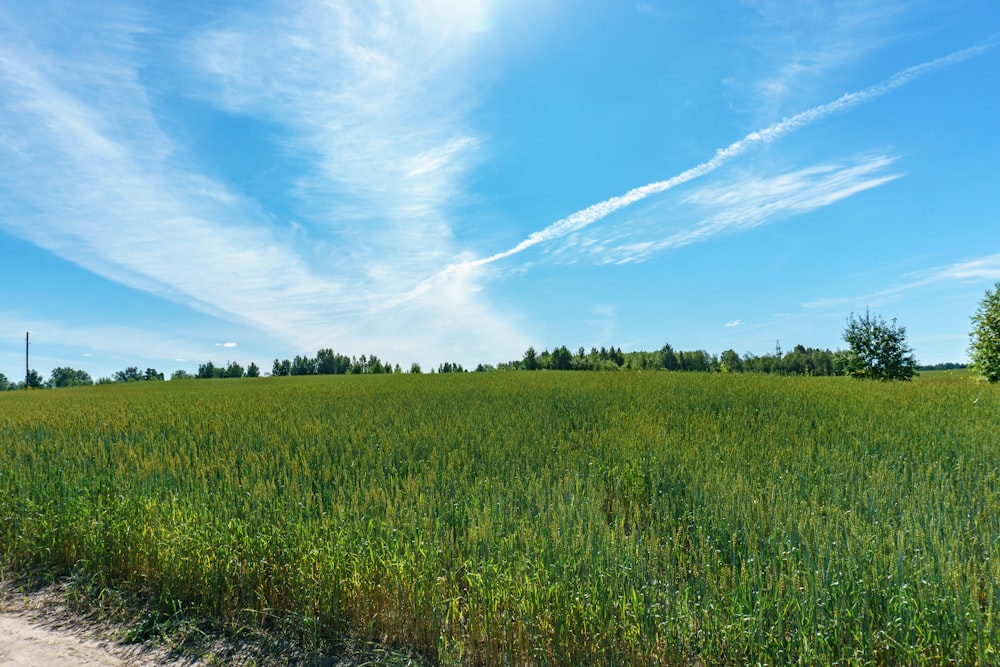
{"x":36,"y":630}
{"x":25,"y":643}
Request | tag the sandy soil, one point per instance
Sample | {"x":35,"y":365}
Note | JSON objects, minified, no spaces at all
{"x":24,"y":643}
{"x":36,"y":630}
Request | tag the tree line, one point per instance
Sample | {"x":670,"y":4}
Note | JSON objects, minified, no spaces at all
{"x":800,"y":360}
{"x":328,"y":362}
{"x":876,"y":350}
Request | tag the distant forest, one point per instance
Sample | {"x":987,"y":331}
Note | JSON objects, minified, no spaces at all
{"x":800,"y":360}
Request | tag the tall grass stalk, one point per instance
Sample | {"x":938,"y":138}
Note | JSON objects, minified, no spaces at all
{"x":541,"y":518}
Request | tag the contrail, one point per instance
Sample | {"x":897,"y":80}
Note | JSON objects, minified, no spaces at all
{"x":588,"y":216}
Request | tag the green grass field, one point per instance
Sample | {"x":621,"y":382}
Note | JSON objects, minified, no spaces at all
{"x":532,"y":518}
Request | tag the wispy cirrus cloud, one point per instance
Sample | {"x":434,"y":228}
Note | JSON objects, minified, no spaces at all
{"x":985,"y":268}
{"x":55,"y":344}
{"x":584,"y":218}
{"x":372,"y":101}
{"x":379,"y":96}
{"x":91,"y":179}
{"x":800,"y":45}
{"x":376,"y":97}
{"x":742,"y":204}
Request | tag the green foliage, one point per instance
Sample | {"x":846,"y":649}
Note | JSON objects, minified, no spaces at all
{"x":800,"y":361}
{"x":984,"y":348}
{"x":328,"y":362}
{"x":233,"y":370}
{"x":449,"y":367}
{"x":561,"y":360}
{"x":302,"y":365}
{"x":69,"y":377}
{"x":33,"y":380}
{"x":668,"y":358}
{"x":730,"y":362}
{"x":133,"y":374}
{"x":878,"y":350}
{"x":129,"y":374}
{"x":542,"y":518}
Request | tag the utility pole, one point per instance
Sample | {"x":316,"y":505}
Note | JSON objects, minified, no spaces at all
{"x":777,"y":349}
{"x":27,"y":373}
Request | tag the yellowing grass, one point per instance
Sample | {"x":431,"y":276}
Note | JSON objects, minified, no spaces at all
{"x":541,"y":518}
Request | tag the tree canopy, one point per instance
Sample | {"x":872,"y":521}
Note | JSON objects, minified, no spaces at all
{"x":878,"y":349}
{"x":69,"y":377}
{"x":984,"y":346}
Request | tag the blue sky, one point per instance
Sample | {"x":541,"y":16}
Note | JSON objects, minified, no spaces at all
{"x":457,"y":180}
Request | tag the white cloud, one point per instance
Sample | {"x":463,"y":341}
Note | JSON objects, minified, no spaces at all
{"x":733,"y":323}
{"x":594,"y":213}
{"x":372,"y":99}
{"x":104,"y":343}
{"x":742,"y":204}
{"x":378,"y":95}
{"x":802,"y":44}
{"x":96,"y":186}
{"x":985,"y":268}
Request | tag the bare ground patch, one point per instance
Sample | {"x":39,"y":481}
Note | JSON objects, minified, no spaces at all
{"x":60,"y":623}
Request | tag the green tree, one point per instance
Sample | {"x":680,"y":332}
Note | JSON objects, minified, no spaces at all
{"x":561,"y":360}
{"x":730,"y":362}
{"x":668,"y":358}
{"x":375,"y":366}
{"x":329,"y":362}
{"x":253,"y":370}
{"x":206,"y":371}
{"x":181,"y":375}
{"x":984,"y":347}
{"x":34,"y":380}
{"x":69,"y":377}
{"x":694,"y":360}
{"x":152,"y":375}
{"x":302,"y":365}
{"x":5,"y":384}
{"x":530,"y":362}
{"x":233,"y":370}
{"x":130,"y":374}
{"x":878,"y":350}
{"x":359,"y":366}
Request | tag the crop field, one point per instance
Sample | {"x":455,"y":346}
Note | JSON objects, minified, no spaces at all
{"x":532,"y":518}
